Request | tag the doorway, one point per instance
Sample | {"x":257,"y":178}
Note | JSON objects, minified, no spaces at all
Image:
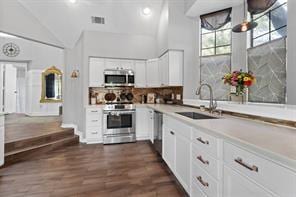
{"x":13,"y":87}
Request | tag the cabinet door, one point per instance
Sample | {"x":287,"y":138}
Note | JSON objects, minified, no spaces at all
{"x":142,"y":122}
{"x":96,"y":72}
{"x":152,"y":71}
{"x":151,"y":125}
{"x":169,"y":147}
{"x":112,"y":64}
{"x":164,"y":69}
{"x":140,"y":73}
{"x":175,"y":68}
{"x":1,"y":145}
{"x":127,"y":64}
{"x":236,"y":185}
{"x":183,"y":161}
{"x":94,"y":125}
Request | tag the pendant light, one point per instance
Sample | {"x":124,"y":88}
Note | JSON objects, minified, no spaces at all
{"x":245,"y":25}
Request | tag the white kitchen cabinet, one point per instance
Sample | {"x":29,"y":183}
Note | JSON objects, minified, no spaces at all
{"x":169,"y":147}
{"x":96,"y":72}
{"x":126,"y":64}
{"x":183,"y":160}
{"x":112,"y":63}
{"x":171,"y":68}
{"x":94,"y":125}
{"x":151,"y":124}
{"x":1,"y":140}
{"x":142,"y":123}
{"x":236,"y":185}
{"x":152,"y":73}
{"x":140,"y":74}
{"x":164,"y":69}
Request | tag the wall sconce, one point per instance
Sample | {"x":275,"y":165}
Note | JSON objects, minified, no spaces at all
{"x":75,"y":74}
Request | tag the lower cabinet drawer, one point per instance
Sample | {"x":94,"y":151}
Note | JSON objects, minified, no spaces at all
{"x":207,"y":184}
{"x":272,"y":176}
{"x":206,"y":162}
{"x":93,"y":121}
{"x":196,"y":191}
{"x":94,"y":133}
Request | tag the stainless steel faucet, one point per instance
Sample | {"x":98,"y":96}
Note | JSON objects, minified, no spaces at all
{"x":213,"y":103}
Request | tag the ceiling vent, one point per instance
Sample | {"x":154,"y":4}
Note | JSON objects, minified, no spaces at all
{"x":97,"y":20}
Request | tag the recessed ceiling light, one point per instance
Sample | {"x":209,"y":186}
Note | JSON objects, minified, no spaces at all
{"x":147,"y":11}
{"x":72,"y":1}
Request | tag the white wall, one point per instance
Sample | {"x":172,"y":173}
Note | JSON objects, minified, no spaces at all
{"x":39,"y":57}
{"x":162,"y":31}
{"x":15,"y":19}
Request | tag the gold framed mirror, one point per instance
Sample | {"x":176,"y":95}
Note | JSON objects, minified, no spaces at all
{"x":51,"y":86}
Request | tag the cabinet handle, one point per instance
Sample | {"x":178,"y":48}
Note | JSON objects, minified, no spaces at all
{"x":205,"y":184}
{"x":94,"y":132}
{"x":202,"y":141}
{"x":202,"y":160}
{"x":172,"y":132}
{"x":94,"y":111}
{"x":249,"y":167}
{"x":95,"y":120}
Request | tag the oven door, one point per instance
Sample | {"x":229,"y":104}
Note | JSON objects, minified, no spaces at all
{"x":115,"y":80}
{"x":119,"y":122}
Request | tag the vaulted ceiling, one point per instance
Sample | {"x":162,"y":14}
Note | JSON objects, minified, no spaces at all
{"x":67,"y":21}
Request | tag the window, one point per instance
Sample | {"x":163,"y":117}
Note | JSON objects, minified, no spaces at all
{"x":216,"y":42}
{"x":272,"y":24}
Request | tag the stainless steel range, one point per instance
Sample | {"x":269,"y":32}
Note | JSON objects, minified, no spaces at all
{"x":119,"y":122}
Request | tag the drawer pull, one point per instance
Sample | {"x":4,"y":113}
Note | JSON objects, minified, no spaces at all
{"x":172,"y":132}
{"x":94,"y":132}
{"x":202,"y":160}
{"x":94,"y":111}
{"x":241,"y":162}
{"x":95,"y":120}
{"x":202,"y":141}
{"x":205,"y":184}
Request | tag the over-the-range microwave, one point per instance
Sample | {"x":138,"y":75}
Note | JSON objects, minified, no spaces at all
{"x":119,"y":78}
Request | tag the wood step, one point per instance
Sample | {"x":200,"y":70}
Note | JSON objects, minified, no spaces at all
{"x":28,"y":152}
{"x":38,"y":140}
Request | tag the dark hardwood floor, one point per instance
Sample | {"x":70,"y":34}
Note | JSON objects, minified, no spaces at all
{"x":19,"y":126}
{"x":91,"y":170}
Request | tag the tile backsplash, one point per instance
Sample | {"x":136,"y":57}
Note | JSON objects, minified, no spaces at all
{"x":164,"y":94}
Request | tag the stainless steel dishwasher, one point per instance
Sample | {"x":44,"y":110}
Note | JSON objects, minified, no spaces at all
{"x":157,"y":142}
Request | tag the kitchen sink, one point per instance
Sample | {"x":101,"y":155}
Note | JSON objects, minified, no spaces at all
{"x":195,"y":116}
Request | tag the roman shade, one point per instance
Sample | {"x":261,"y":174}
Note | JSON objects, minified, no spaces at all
{"x":215,"y":20}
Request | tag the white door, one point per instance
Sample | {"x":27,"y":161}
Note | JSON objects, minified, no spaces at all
{"x":142,"y":122}
{"x":10,"y":89}
{"x":1,"y":87}
{"x":169,"y":147}
{"x":151,"y":124}
{"x":183,"y":160}
{"x":140,"y":73}
{"x":236,"y":185}
{"x":96,"y":72}
{"x":153,"y":75}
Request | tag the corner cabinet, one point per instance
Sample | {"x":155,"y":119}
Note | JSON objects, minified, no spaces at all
{"x":140,"y":74}
{"x":96,"y":72}
{"x":152,"y":73}
{"x":171,"y":65}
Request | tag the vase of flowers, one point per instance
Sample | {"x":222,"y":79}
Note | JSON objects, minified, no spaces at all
{"x":240,"y":81}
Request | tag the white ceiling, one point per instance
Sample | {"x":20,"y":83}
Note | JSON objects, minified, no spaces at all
{"x":67,"y":21}
{"x":201,"y":7}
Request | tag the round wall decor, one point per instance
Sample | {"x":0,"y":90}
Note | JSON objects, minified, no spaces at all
{"x":11,"y":50}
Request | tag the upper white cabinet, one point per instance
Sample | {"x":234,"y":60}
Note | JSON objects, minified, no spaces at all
{"x":171,"y":68}
{"x":112,"y":63}
{"x":140,"y":73}
{"x":152,"y":73}
{"x":126,"y":64}
{"x":96,"y":72}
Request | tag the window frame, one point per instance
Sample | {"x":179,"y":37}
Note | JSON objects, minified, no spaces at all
{"x":215,"y":40}
{"x":270,"y":31}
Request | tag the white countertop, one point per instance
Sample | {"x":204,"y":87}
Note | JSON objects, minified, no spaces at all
{"x":277,"y":143}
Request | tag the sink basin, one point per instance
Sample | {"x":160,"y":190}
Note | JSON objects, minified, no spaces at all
{"x":195,"y":116}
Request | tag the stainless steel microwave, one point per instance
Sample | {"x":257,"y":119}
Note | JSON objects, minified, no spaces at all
{"x":119,"y":78}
